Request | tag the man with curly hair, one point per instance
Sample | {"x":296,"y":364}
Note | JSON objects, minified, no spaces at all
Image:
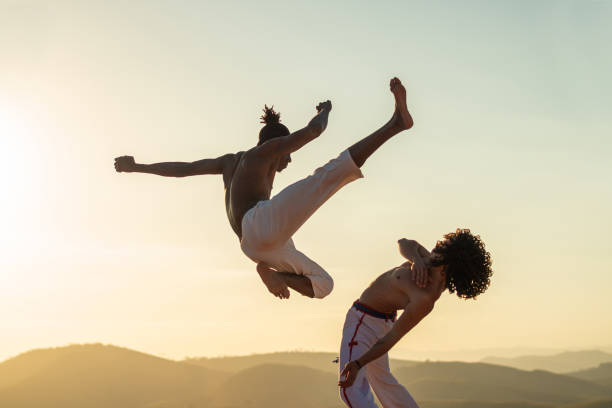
{"x":265,"y":225}
{"x":458,"y":263}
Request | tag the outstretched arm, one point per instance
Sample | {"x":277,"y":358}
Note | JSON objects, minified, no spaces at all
{"x":413,"y":314}
{"x":174,"y":169}
{"x":281,"y":146}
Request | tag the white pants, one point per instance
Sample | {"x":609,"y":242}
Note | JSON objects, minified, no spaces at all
{"x":360,"y":333}
{"x":267,"y":228}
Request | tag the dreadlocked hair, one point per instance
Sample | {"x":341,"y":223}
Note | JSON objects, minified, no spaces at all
{"x":269,"y":116}
{"x":468,"y":264}
{"x":273,"y":128}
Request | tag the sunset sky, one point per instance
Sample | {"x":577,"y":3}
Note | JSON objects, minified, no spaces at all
{"x":512,"y":139}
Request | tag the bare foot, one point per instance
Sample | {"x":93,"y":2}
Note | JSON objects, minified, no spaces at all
{"x":275,"y":284}
{"x":401,"y":116}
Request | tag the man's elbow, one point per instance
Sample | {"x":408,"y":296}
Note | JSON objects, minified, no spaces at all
{"x":427,"y":308}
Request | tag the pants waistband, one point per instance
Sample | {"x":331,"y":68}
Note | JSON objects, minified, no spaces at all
{"x":369,"y":311}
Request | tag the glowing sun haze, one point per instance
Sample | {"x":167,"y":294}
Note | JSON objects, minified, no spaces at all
{"x":511,"y":139}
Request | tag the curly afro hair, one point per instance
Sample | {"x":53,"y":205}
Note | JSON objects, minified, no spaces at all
{"x":468,"y":264}
{"x":273,"y":127}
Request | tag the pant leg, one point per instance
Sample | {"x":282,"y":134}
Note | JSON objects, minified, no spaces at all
{"x":390,"y":393}
{"x":356,"y":339}
{"x":276,"y":220}
{"x":288,"y":259}
{"x":295,"y":261}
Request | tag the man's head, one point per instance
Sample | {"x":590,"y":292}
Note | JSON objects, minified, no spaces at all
{"x":467,"y":265}
{"x":273,"y":129}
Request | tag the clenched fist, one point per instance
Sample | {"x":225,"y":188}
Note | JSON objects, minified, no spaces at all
{"x":327,"y":105}
{"x":125,"y":164}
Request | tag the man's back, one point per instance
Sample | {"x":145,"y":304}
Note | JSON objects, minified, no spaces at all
{"x":248,"y":179}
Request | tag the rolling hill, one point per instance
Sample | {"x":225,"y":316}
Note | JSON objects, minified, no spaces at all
{"x":600,"y":375}
{"x":97,"y":376}
{"x":100,"y":376}
{"x":279,"y":385}
{"x":486,"y":382}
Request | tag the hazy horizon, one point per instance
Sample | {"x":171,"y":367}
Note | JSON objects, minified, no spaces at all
{"x":467,"y":355}
{"x":470,"y":356}
{"x":511,"y":103}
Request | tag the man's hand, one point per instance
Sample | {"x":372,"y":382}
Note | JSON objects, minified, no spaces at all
{"x":417,"y":256}
{"x":349,"y":373}
{"x":125,"y":164}
{"x":324,"y":106}
{"x":419,"y":272}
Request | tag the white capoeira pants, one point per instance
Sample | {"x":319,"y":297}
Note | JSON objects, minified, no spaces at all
{"x":360,"y":332}
{"x":267,"y":228}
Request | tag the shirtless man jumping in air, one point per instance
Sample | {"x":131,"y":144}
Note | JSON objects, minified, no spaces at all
{"x":458,"y":263}
{"x":265,"y":225}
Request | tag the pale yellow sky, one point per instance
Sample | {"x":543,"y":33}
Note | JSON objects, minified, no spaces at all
{"x":511,"y":140}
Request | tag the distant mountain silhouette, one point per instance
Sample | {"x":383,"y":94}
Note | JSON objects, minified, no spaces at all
{"x":234,"y":364}
{"x":487,"y":382}
{"x":600,"y":375}
{"x":557,"y":363}
{"x":99,"y":376}
{"x":317,"y":361}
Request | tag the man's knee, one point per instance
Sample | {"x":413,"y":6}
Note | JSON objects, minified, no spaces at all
{"x":377,"y":375}
{"x":347,"y":395}
{"x":322,"y":286}
{"x":358,"y":396}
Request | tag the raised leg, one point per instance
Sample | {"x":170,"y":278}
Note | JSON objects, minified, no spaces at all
{"x":401,"y":120}
{"x":276,"y":220}
{"x":285,"y":213}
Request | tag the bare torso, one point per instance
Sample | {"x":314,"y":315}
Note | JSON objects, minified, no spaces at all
{"x":394,"y":289}
{"x":247,"y":179}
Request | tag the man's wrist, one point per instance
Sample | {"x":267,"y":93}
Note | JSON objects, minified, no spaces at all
{"x":137,"y":167}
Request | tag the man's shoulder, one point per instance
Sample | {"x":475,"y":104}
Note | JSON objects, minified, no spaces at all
{"x":402,"y":279}
{"x":230,"y":163}
{"x":253,"y":152}
{"x":233,"y":156}
{"x":232,"y":159}
{"x":401,"y":276}
{"x":257,"y":156}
